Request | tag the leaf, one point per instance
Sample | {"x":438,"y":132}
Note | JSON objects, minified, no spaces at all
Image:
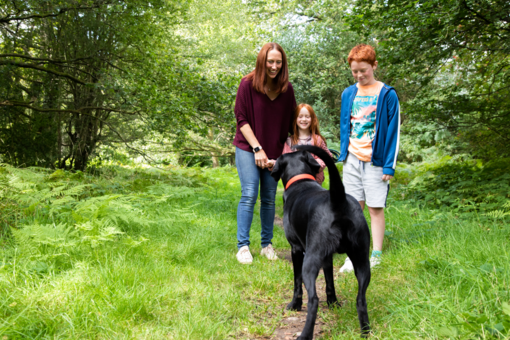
{"x":497,"y":329}
{"x":482,"y":319}
{"x":487,"y":268}
{"x":506,"y":308}
{"x":448,"y":331}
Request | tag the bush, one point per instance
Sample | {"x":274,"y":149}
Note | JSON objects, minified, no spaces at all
{"x":464,"y":187}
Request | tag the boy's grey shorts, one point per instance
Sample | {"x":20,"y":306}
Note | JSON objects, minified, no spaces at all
{"x":364,"y":182}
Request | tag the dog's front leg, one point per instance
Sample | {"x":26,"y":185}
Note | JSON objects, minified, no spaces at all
{"x":311,"y":266}
{"x":297,"y":263}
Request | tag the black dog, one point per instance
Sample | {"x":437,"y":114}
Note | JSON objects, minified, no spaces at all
{"x":319,"y":223}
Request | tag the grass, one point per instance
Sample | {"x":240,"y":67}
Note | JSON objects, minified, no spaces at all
{"x":150,"y":254}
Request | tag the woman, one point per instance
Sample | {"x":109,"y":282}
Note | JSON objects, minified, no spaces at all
{"x":264,"y":109}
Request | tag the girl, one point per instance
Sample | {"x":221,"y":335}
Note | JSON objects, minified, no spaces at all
{"x":306,"y":132}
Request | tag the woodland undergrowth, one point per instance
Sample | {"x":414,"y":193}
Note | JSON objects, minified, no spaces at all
{"x":149,"y":253}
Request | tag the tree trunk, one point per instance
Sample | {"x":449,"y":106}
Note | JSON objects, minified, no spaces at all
{"x":215,"y":161}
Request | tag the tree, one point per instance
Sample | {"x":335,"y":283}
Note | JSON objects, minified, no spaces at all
{"x":451,"y":58}
{"x":78,"y":75}
{"x":220,"y":45}
{"x":315,"y":38}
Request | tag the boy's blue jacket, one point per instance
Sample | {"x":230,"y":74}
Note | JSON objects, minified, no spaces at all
{"x":387,"y":127}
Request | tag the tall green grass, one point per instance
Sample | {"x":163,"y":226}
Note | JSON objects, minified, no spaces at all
{"x":440,"y":277}
{"x":135,"y":253}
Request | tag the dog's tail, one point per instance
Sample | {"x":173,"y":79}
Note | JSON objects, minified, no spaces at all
{"x":336,"y":187}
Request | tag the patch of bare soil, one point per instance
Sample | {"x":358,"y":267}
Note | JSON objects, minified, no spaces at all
{"x":292,"y":323}
{"x":278,"y":221}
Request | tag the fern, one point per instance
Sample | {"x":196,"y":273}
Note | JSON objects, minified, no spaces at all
{"x":98,"y":232}
{"x":60,"y":236}
{"x":497,"y":214}
{"x":57,"y":215}
{"x":465,"y":187}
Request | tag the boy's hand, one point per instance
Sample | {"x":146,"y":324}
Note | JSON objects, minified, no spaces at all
{"x":386,"y":177}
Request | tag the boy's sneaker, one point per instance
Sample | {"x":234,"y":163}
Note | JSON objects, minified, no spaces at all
{"x":269,"y":252}
{"x":244,"y":255}
{"x":347,"y":267}
{"x":375,"y":261}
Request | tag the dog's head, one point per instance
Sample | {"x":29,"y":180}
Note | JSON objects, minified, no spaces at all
{"x":293,"y":164}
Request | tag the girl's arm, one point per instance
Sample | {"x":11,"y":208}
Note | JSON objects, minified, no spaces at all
{"x":325,"y":147}
{"x":320,"y":161}
{"x":286,"y":148}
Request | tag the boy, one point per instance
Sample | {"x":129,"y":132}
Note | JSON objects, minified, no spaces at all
{"x":369,"y":139}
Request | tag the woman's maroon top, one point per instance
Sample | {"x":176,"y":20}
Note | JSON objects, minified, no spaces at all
{"x":270,"y":120}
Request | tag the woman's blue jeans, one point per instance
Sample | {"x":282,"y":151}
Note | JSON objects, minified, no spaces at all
{"x":250,"y":175}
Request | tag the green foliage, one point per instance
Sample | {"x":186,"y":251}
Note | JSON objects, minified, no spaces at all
{"x":150,"y":253}
{"x":317,"y":43}
{"x":426,"y":142}
{"x":76,"y":75}
{"x":464,"y":187}
{"x":122,"y":73}
{"x":450,"y":63}
{"x":64,"y":211}
{"x":135,"y":241}
{"x":465,"y":274}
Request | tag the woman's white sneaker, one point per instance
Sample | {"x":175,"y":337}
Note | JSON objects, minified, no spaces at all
{"x":269,"y":252}
{"x":244,"y":255}
{"x":347,"y":267}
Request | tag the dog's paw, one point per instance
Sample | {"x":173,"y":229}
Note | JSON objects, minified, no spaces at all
{"x":295,"y":305}
{"x":366,"y":335}
{"x":303,"y":338}
{"x":366,"y":332}
{"x":333,"y":302}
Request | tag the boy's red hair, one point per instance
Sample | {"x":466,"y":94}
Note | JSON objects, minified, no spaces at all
{"x":362,"y":52}
{"x":258,"y":75}
{"x":314,"y":126}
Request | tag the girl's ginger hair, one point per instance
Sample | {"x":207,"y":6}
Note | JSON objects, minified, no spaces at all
{"x":258,"y":75}
{"x":314,"y":126}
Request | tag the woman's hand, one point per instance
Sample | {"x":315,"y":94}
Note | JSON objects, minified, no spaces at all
{"x":386,"y":177}
{"x":270,"y":164}
{"x":261,"y":159}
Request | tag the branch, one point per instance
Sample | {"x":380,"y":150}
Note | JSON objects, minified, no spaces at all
{"x":35,"y":67}
{"x":77,"y":111}
{"x":475,"y":13}
{"x":209,"y":152}
{"x":8,"y":18}
{"x":15,"y":55}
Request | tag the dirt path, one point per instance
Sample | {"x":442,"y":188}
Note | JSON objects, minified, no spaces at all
{"x":293,"y":322}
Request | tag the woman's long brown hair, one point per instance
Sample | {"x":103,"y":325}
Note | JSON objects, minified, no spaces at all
{"x":314,"y":126}
{"x":258,"y":75}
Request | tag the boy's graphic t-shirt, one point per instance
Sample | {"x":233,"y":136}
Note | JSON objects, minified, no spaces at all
{"x":363,"y":121}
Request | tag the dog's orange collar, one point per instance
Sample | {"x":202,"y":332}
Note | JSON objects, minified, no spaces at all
{"x":297,"y":178}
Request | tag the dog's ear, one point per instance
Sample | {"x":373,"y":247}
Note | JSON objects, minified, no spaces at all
{"x":312,"y":163}
{"x":277,"y":170}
